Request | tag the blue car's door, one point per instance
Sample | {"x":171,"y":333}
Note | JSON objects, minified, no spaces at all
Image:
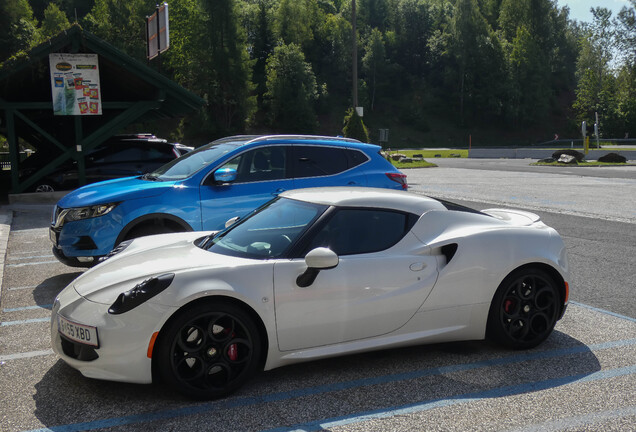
{"x":262,"y":173}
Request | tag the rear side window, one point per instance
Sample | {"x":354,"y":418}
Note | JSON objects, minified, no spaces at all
{"x":359,"y":231}
{"x":315,"y":161}
{"x":355,"y":158}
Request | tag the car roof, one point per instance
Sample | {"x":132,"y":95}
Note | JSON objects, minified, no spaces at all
{"x":366,"y":197}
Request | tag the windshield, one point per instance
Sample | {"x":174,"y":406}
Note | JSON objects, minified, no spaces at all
{"x":268,"y":232}
{"x":192,"y":162}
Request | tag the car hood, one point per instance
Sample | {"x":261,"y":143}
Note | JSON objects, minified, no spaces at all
{"x":151,"y":256}
{"x":114,"y":191}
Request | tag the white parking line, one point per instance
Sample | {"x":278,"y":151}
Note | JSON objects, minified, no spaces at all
{"x":26,"y":355}
{"x":28,"y":321}
{"x":580,"y":421}
{"x":33,"y":263}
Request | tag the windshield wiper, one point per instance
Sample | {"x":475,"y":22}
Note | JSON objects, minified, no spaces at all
{"x":150,"y":176}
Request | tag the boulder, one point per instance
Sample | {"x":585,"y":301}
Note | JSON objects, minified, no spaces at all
{"x":570,"y":152}
{"x":547,"y":160}
{"x":567,"y":159}
{"x":613,"y":158}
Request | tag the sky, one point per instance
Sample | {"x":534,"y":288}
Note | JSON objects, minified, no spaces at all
{"x":580,"y":9}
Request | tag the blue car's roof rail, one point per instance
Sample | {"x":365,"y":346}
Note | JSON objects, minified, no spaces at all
{"x":303,"y":137}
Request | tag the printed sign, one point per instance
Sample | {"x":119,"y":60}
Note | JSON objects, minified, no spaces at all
{"x":75,"y":84}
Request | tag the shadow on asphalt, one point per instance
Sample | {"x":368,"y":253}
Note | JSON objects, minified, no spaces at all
{"x":378,"y":381}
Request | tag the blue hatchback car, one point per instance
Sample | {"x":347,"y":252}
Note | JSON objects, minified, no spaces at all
{"x":205,"y":188}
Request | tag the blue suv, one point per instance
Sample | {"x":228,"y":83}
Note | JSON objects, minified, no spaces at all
{"x":205,"y":188}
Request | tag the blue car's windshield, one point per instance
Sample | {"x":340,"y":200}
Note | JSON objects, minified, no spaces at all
{"x":268,"y":232}
{"x":192,"y":162}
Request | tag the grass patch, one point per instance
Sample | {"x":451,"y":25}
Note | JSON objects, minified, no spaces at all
{"x":414,"y":164}
{"x":430,"y":154}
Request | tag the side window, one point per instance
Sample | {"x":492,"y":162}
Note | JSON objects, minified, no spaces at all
{"x":355,"y":158}
{"x":358,"y":231}
{"x":260,"y":164}
{"x":314,"y":161}
{"x":119,"y":155}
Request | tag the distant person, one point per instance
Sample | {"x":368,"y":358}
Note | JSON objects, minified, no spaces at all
{"x":556,"y":137}
{"x":626,"y":135}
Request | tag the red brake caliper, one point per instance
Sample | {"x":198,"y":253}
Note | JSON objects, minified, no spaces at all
{"x":232,"y":351}
{"x":508,"y":304}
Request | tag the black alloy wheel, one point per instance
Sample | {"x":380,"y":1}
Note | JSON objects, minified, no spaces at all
{"x":209,"y":350}
{"x":524,"y":310}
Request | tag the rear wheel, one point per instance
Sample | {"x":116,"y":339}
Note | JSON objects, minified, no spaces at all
{"x":209,"y":350}
{"x":524,"y":310}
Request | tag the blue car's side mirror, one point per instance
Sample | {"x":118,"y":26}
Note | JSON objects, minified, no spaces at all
{"x":225,"y":175}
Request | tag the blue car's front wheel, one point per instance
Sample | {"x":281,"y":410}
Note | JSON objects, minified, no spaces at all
{"x":209,"y":350}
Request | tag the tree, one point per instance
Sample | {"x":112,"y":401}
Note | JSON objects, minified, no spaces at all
{"x":354,"y":126}
{"x":373,"y":62}
{"x":54,"y":21}
{"x":291,"y":90}
{"x":18,"y":28}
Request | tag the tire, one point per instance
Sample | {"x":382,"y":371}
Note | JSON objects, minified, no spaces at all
{"x":45,"y":187}
{"x":208,"y":350}
{"x":524,"y":310}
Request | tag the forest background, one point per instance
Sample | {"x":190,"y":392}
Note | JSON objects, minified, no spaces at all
{"x":436,"y":73}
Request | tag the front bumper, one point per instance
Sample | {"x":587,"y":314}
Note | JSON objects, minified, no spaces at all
{"x":123,"y":339}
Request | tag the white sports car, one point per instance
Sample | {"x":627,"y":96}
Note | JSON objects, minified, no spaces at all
{"x":313,"y":273}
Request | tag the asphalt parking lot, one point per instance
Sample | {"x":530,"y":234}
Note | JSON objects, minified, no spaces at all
{"x":582,"y":378}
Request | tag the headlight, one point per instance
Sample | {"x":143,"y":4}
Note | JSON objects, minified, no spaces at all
{"x":140,"y":293}
{"x":79,"y":213}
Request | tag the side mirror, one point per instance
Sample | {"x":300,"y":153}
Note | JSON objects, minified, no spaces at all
{"x":316,"y":260}
{"x":225,"y":175}
{"x":231,"y":221}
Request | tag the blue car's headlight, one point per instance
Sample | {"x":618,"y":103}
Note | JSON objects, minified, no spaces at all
{"x":79,"y":213}
{"x":140,"y":293}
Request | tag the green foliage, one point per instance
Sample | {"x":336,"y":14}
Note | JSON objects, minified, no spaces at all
{"x":291,"y":91}
{"x":266,"y":64}
{"x":54,"y":21}
{"x":18,"y":28}
{"x":354,"y":126}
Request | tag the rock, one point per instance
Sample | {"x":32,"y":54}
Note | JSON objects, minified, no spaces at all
{"x":570,"y":152}
{"x":406,"y":160}
{"x":567,"y":159}
{"x":438,"y":155}
{"x":613,"y":158}
{"x":397,"y":156}
{"x":547,"y":160}
{"x":455,"y":155}
{"x":418,"y":155}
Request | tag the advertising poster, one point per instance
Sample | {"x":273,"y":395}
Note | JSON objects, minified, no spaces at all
{"x":75,"y":84}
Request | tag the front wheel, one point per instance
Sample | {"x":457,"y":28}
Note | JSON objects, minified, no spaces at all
{"x":209,"y":350}
{"x":524,"y":310}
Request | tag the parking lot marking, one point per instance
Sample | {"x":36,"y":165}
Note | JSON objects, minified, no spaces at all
{"x":19,"y":309}
{"x":23,"y":288}
{"x":30,"y":257}
{"x":497,"y":392}
{"x":32,"y":263}
{"x":579,"y":421}
{"x":26,"y":355}
{"x":28,"y":321}
{"x":603,"y":311}
{"x":334,"y":387}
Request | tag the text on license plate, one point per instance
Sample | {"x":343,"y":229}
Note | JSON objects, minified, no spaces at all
{"x":78,"y":332}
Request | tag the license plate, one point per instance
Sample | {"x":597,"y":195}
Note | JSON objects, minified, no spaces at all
{"x":80,"y":333}
{"x":53,"y":236}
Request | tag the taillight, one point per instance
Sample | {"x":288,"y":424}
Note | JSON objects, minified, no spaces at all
{"x":400,"y":178}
